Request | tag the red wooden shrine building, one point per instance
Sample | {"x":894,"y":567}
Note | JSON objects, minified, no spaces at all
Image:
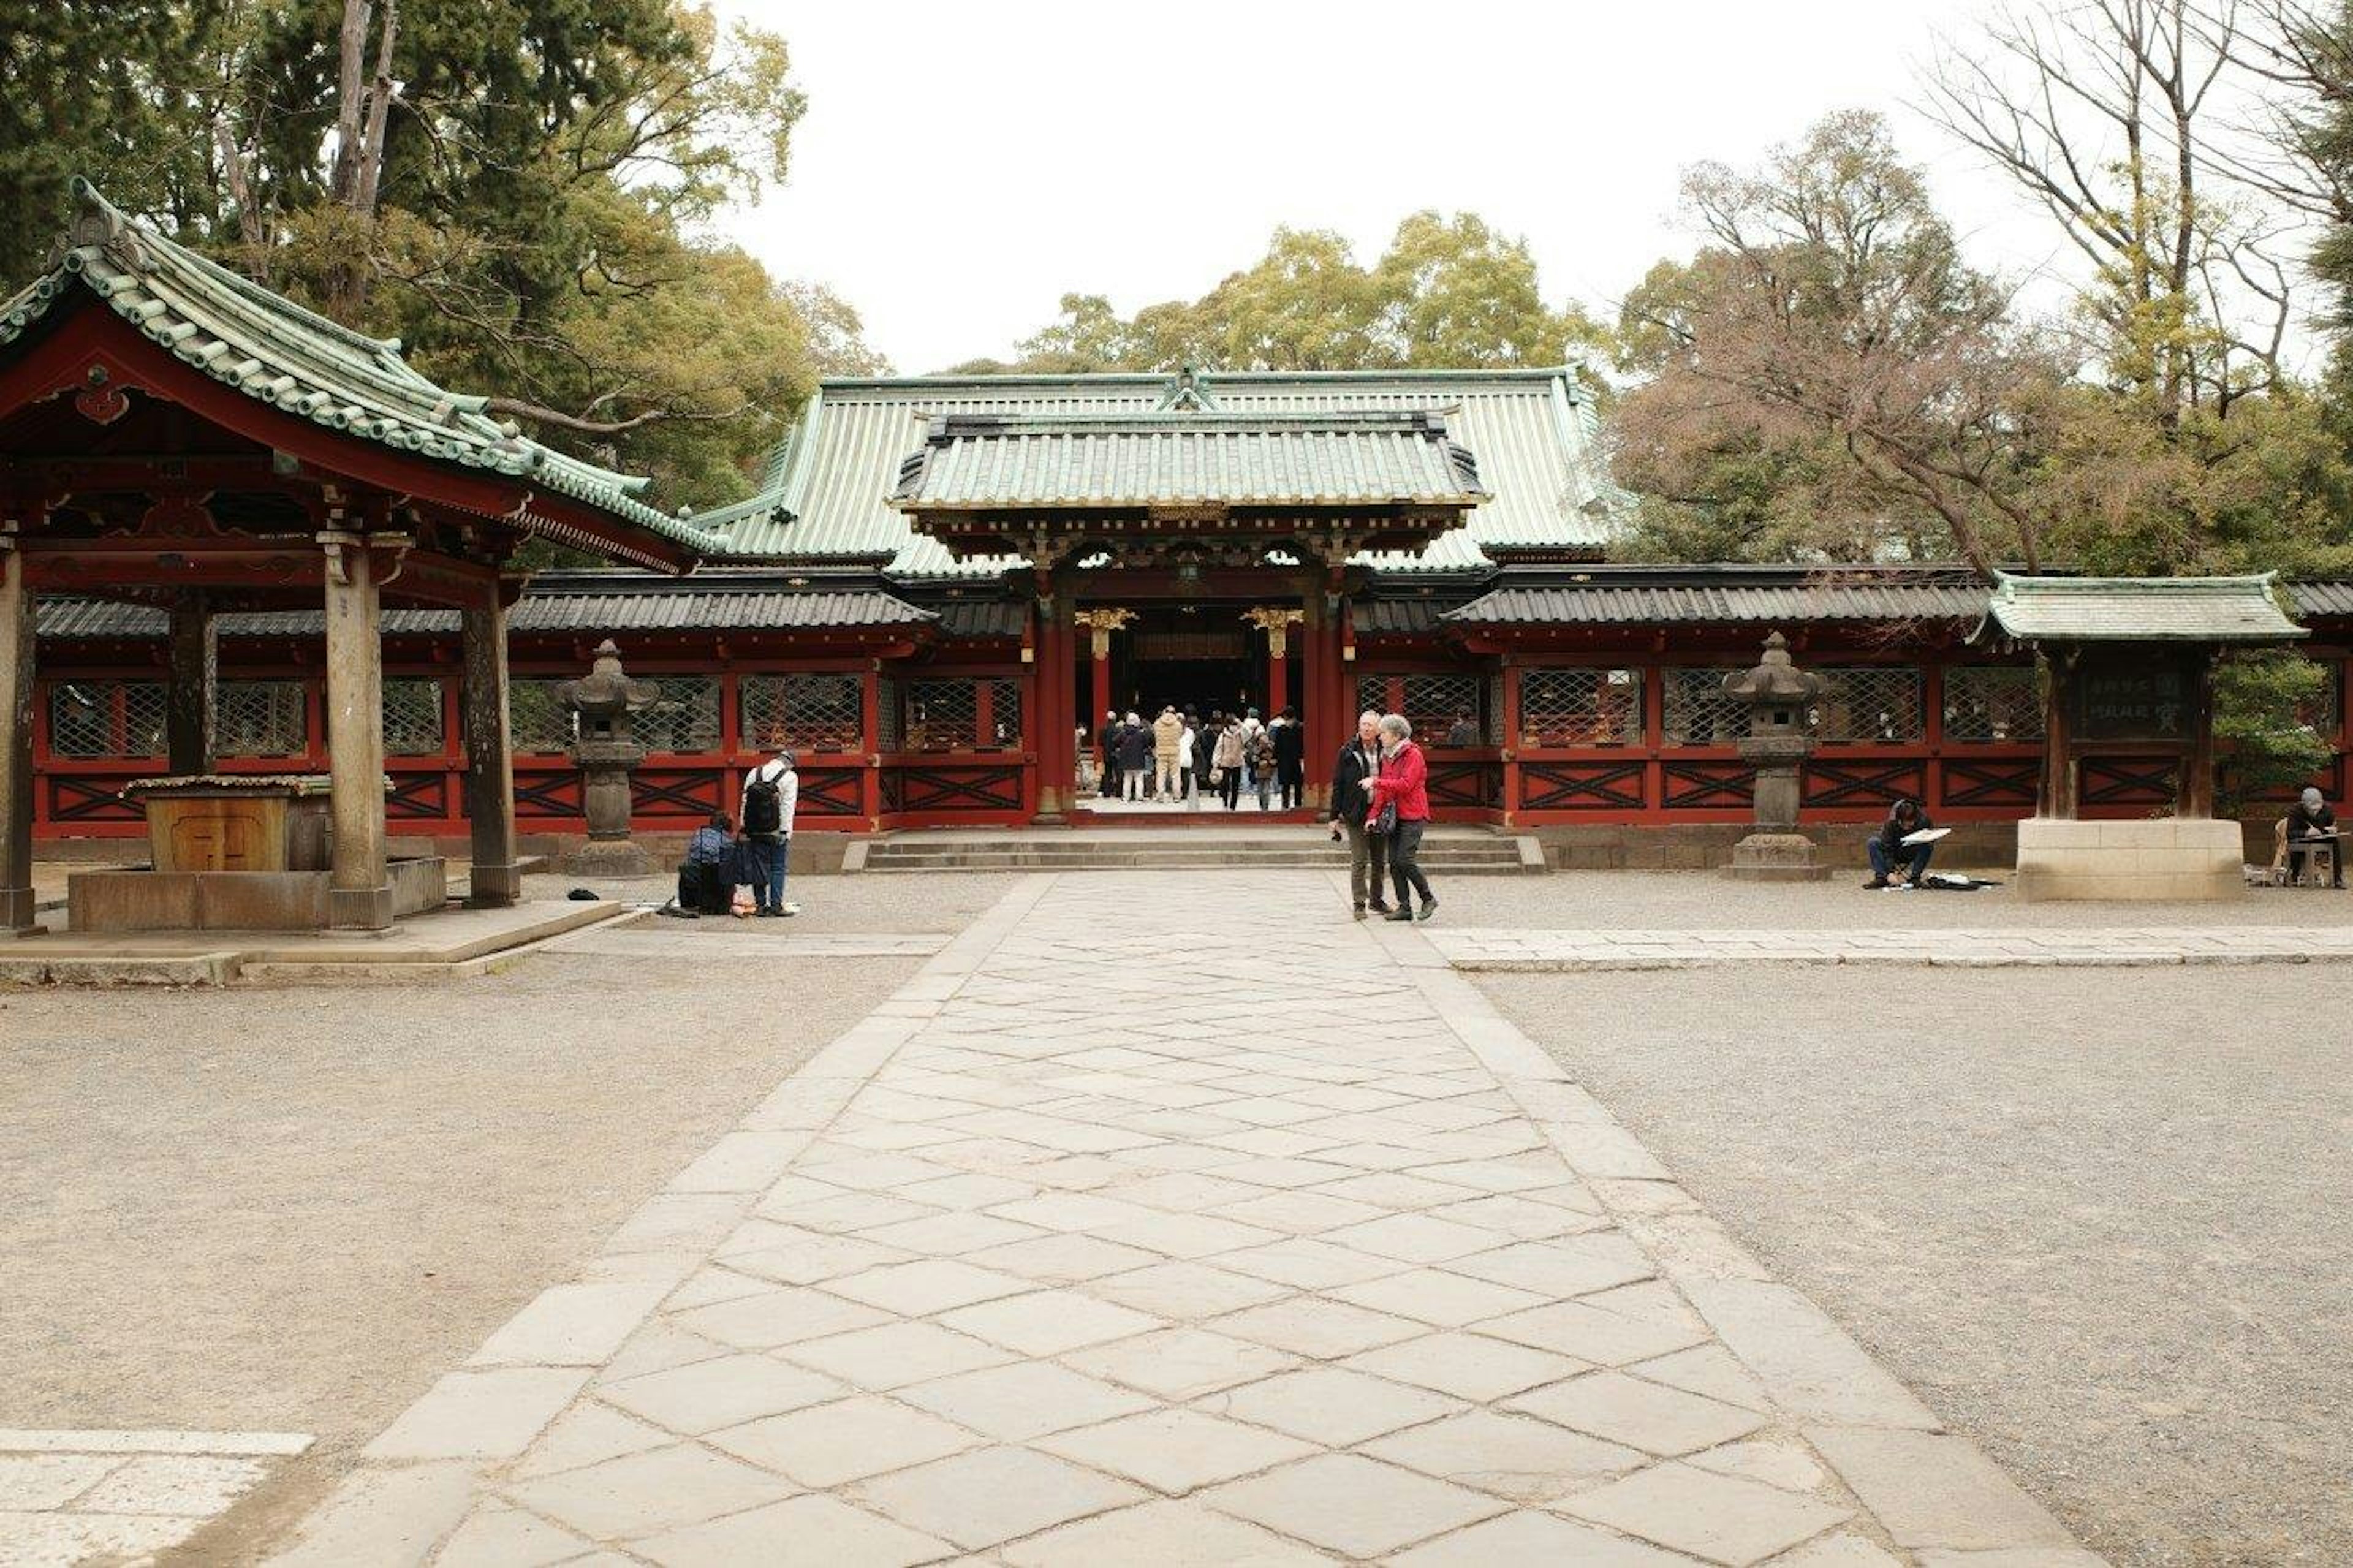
{"x":943,"y":581}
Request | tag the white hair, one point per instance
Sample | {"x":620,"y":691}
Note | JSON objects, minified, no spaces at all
{"x":1370,"y":715}
{"x":1396,"y":724}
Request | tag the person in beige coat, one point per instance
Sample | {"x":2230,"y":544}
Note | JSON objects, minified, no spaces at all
{"x":1167,"y":732}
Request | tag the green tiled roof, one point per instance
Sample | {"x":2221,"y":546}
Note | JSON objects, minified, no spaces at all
{"x":837,"y":472}
{"x":276,"y":353}
{"x":997,"y":462}
{"x":2137,"y":609}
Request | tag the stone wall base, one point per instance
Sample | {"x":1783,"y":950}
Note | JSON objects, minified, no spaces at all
{"x":1707,"y":847}
{"x":2157,"y":859}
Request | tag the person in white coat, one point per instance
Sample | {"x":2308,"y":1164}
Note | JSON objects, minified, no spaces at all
{"x":771,"y":793}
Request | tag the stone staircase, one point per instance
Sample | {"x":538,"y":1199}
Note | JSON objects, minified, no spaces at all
{"x":1449,"y":852}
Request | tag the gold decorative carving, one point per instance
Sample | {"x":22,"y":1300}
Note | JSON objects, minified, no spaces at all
{"x":1276,"y":622}
{"x":1103,"y":622}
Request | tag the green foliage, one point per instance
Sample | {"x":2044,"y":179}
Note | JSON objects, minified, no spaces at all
{"x":2273,"y":731}
{"x":534,"y":224}
{"x":1447,"y":293}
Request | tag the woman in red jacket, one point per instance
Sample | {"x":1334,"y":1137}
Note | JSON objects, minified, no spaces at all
{"x":1404,"y":782}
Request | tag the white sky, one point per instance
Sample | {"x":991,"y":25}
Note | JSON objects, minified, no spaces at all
{"x":961,"y":165}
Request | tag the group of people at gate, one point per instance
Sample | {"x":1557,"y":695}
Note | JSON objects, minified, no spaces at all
{"x":1180,"y":759}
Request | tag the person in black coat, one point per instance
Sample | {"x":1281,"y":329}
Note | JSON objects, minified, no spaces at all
{"x":1135,"y":748}
{"x":1369,"y":854}
{"x":1894,"y":863}
{"x":1290,"y":757}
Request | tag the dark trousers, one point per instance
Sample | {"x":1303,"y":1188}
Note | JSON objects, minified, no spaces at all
{"x":767,"y":858}
{"x":1405,"y":863}
{"x":1292,"y":778}
{"x":705,"y":890}
{"x":1369,"y":864}
{"x":1917,"y":858}
{"x":1231,"y":789}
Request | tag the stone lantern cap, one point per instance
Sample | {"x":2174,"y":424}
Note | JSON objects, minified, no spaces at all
{"x":1775,"y":680}
{"x":607,"y":690}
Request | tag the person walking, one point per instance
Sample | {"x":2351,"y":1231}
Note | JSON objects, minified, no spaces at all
{"x":1369,"y":854}
{"x":772,"y":791}
{"x":1204,"y":749}
{"x":1403,"y":782}
{"x":1289,"y":758}
{"x":1166,"y":732}
{"x":1135,"y":757}
{"x":1226,"y":762}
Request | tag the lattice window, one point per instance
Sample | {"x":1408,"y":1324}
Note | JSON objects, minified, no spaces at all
{"x":537,"y":724}
{"x":412,"y":718}
{"x":1004,"y":716}
{"x":685,"y":722}
{"x":1694,"y":710}
{"x":1444,"y":709}
{"x":261,"y":719}
{"x":1580,"y":707}
{"x":942,"y":715}
{"x":1987,"y":703}
{"x":1870,"y":703}
{"x":890,"y":720}
{"x":1372,"y":694}
{"x":808,"y":713}
{"x":107,"y":719}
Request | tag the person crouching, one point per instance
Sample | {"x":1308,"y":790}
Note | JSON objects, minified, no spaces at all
{"x":1894,"y":863}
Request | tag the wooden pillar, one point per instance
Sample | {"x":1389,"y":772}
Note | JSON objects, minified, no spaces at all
{"x":195,"y":680}
{"x":17,"y":742}
{"x":2057,"y":796}
{"x":2193,"y":790}
{"x":496,"y":879}
{"x":359,"y":891}
{"x":1051,"y":677}
{"x":1507,"y":724}
{"x":870,"y":782}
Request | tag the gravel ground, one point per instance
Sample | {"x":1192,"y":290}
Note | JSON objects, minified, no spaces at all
{"x":2096,"y":1218}
{"x":896,"y":901}
{"x":1647,"y":900}
{"x":293,"y":1208}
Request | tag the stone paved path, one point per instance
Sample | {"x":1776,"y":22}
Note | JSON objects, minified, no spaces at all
{"x":2011,"y":947}
{"x":117,"y":1497}
{"x":1176,"y":1219}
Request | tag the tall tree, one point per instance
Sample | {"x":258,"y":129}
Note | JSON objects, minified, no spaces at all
{"x":2116,"y":117}
{"x":521,"y":190}
{"x":1449,"y":293}
{"x":1826,"y":377}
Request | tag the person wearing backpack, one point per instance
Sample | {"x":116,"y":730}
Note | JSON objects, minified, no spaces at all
{"x":771,"y":792}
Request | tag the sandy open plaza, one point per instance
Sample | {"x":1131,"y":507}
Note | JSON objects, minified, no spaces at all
{"x":1176,"y":1217}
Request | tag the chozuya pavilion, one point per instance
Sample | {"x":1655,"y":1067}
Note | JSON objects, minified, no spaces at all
{"x":941,"y":584}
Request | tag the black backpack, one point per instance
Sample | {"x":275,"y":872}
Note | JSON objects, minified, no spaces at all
{"x":764,"y":806}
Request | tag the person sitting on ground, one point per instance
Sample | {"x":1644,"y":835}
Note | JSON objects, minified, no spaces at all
{"x":2310,"y":818}
{"x":706,"y":881}
{"x":1894,"y":863}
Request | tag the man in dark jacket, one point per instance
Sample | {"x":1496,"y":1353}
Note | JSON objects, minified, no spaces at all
{"x":1134,"y":746}
{"x":1368,"y":856}
{"x":1894,"y":863}
{"x":1290,"y":757}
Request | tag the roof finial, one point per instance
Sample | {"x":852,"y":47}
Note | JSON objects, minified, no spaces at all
{"x":1186,"y":391}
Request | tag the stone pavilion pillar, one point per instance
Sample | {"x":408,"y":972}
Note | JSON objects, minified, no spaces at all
{"x":1781,"y":737}
{"x":16,"y":738}
{"x":359,"y":889}
{"x":496,"y":878}
{"x":190,"y":697}
{"x":606,"y":703}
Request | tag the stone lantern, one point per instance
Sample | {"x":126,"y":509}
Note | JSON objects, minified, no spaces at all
{"x":1780,"y":699}
{"x":605,"y":704}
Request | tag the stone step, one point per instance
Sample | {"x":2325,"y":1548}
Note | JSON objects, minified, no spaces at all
{"x":1448,"y":857}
